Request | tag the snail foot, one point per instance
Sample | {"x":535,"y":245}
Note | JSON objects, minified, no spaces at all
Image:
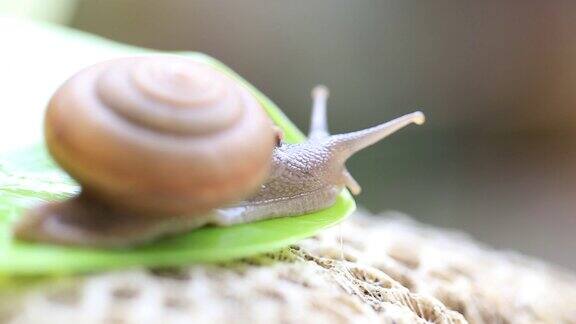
{"x":82,"y":222}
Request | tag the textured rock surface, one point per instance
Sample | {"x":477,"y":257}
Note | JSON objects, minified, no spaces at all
{"x":367,"y":270}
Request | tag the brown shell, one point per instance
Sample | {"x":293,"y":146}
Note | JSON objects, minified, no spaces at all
{"x":160,"y":135}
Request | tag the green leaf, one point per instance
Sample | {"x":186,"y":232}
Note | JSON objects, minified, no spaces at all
{"x":28,"y":177}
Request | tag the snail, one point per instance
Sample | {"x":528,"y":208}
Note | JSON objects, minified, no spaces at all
{"x":162,"y":145}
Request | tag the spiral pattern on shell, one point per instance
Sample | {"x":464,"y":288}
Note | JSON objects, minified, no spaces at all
{"x":160,"y":135}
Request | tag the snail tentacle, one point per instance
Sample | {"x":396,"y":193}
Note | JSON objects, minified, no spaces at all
{"x":318,"y":120}
{"x":319,"y":130}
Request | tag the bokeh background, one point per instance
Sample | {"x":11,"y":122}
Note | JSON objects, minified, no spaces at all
{"x":496,"y":79}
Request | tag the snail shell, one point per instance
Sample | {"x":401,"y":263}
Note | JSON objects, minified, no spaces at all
{"x":159,"y":135}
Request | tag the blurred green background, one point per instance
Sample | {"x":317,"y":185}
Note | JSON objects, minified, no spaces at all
{"x":497,"y":81}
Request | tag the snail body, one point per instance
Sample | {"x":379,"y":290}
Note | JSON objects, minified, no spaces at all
{"x":162,"y":145}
